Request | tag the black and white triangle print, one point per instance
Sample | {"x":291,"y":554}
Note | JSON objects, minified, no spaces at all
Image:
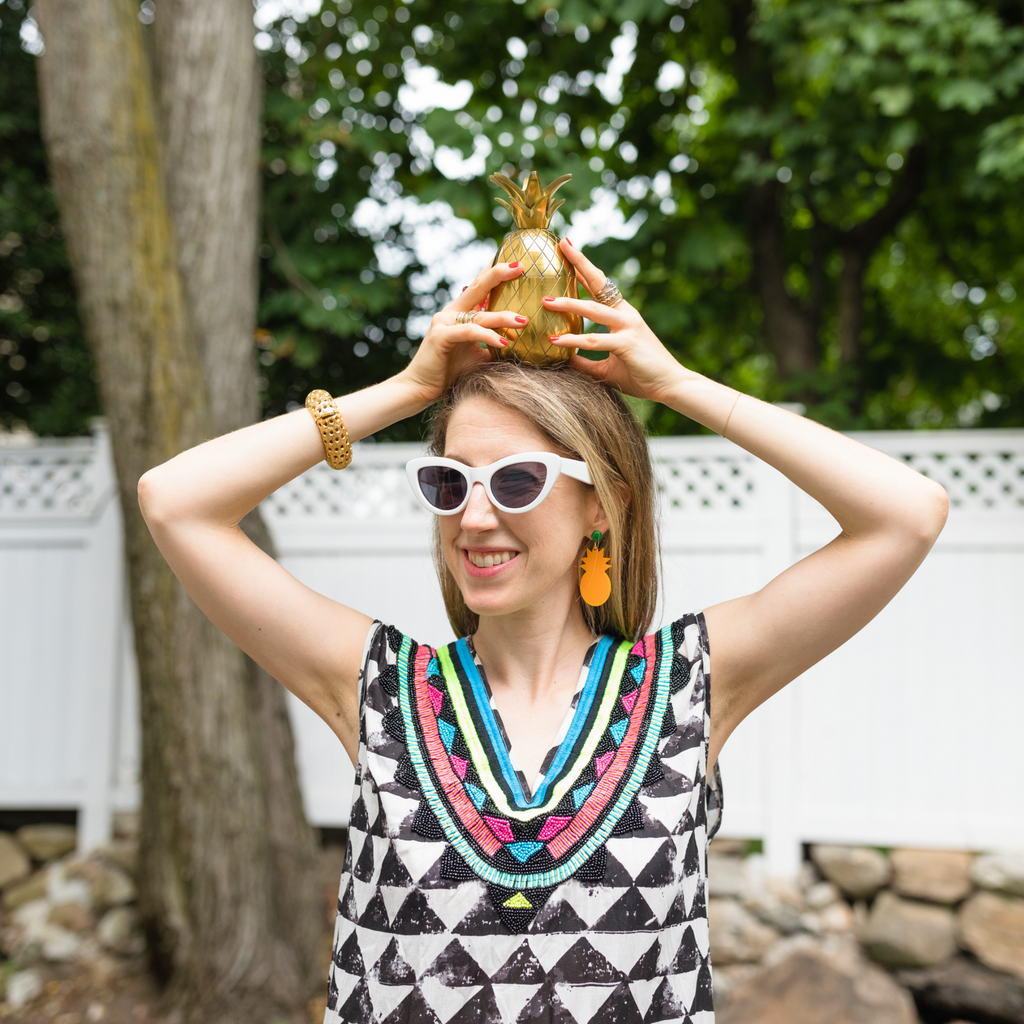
{"x":412,"y":945}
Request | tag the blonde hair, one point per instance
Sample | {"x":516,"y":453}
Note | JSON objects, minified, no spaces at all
{"x":582,"y":419}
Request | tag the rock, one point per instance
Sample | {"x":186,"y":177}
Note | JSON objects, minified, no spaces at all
{"x":118,"y":932}
{"x":727,"y":978}
{"x":807,"y":876}
{"x":779,"y":906}
{"x":821,"y":894}
{"x":126,"y":825}
{"x":1000,"y":872}
{"x":60,"y":945}
{"x":736,"y":936}
{"x":809,"y":988}
{"x":939,"y":876}
{"x":20,"y":893}
{"x":727,"y":876}
{"x":785,"y":919}
{"x":64,"y":888}
{"x":48,"y":842}
{"x":14,"y":862}
{"x":992,"y":928}
{"x":967,"y":989}
{"x":118,"y":889}
{"x":109,"y":885}
{"x":858,"y":871}
{"x":729,"y":847}
{"x":72,"y":916}
{"x":903,"y":933}
{"x":836,"y":917}
{"x":122,"y":852}
{"x":23,"y":987}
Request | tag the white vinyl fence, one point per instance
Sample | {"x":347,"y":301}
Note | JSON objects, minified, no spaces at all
{"x":908,"y":735}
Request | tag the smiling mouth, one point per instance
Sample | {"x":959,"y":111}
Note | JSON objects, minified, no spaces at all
{"x":489,"y":559}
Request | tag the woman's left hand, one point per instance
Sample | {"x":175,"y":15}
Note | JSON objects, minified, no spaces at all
{"x":638,"y":363}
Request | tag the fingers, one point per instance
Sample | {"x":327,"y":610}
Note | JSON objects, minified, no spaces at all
{"x":594,"y":342}
{"x":506,"y":318}
{"x":475,"y":333}
{"x":610,"y":316}
{"x":477,"y":292}
{"x":592,"y":278}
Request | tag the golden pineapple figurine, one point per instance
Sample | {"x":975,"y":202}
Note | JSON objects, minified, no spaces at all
{"x":545,"y":272}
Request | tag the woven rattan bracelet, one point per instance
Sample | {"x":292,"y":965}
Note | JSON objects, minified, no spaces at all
{"x":325,"y":413}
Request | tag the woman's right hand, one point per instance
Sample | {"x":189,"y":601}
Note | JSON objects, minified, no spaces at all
{"x":448,"y":347}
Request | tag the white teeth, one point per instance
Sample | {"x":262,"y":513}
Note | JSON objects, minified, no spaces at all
{"x":488,"y":561}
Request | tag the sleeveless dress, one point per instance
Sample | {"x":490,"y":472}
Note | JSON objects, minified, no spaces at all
{"x":468,"y":896}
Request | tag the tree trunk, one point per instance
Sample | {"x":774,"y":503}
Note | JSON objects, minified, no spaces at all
{"x":850,"y":303}
{"x":790,"y":332}
{"x":219,"y":793}
{"x":209,"y":94}
{"x":858,"y":244}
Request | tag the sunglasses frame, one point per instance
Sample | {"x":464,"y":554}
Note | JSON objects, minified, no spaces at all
{"x":555,"y":465}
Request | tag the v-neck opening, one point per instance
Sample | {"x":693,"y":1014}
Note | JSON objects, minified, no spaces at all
{"x":523,"y":792}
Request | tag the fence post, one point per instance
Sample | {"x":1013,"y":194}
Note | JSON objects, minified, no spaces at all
{"x":101,"y":604}
{"x":782,"y":847}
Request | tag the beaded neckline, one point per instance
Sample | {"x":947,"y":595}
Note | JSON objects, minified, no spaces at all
{"x":471,"y":797}
{"x":496,"y":747}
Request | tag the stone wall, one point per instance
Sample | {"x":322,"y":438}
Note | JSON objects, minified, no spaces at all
{"x":59,"y":909}
{"x":863,"y":935}
{"x":859,"y":936}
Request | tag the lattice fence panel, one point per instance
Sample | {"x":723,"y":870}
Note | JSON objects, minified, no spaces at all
{"x":365,"y":491}
{"x":49,"y":484}
{"x":705,"y":483}
{"x":975,"y":481}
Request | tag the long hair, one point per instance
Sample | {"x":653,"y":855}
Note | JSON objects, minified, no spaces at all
{"x":582,"y":419}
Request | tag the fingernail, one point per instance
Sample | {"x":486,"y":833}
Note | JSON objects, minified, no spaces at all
{"x":554,"y":337}
{"x":504,"y":344}
{"x":549,"y":298}
{"x":569,"y":240}
{"x":465,"y":286}
{"x":512,"y":266}
{"x":521,"y":319}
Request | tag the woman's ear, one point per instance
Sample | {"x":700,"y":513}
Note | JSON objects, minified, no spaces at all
{"x":600,"y":520}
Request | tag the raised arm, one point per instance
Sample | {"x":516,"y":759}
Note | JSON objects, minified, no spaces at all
{"x":193,"y":505}
{"x":889,"y":515}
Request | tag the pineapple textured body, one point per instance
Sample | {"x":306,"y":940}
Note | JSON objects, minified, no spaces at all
{"x":545,"y":272}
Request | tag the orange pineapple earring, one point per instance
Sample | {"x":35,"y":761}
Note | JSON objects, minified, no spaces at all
{"x":595,"y":585}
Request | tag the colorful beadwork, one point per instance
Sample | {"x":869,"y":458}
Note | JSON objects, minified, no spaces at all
{"x":472,"y":796}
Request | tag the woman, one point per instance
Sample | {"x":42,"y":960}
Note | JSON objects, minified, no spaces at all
{"x":533,"y":803}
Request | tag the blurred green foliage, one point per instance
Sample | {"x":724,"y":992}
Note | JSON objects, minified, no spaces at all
{"x":754,"y":148}
{"x":46,"y":369}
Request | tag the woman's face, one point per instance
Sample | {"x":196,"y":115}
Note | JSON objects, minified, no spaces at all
{"x":533,"y":554}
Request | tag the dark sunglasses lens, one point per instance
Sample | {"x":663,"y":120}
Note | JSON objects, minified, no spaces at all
{"x":517,"y":485}
{"x":442,"y":486}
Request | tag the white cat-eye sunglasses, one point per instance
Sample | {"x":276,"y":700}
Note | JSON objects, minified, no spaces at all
{"x":517,"y":483}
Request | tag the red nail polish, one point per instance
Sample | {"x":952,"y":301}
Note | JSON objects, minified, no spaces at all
{"x":512,"y":266}
{"x":504,"y":344}
{"x":465,"y":286}
{"x":549,"y":298}
{"x":554,"y":337}
{"x":569,"y":240}
{"x":521,"y":319}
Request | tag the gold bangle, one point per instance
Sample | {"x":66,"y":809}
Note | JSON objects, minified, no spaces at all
{"x":729,"y":417}
{"x":337,"y":446}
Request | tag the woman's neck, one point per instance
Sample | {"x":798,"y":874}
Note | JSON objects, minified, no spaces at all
{"x":535,"y":651}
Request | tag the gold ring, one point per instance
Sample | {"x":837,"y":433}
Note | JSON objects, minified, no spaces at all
{"x":467,"y":316}
{"x":608,"y":295}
